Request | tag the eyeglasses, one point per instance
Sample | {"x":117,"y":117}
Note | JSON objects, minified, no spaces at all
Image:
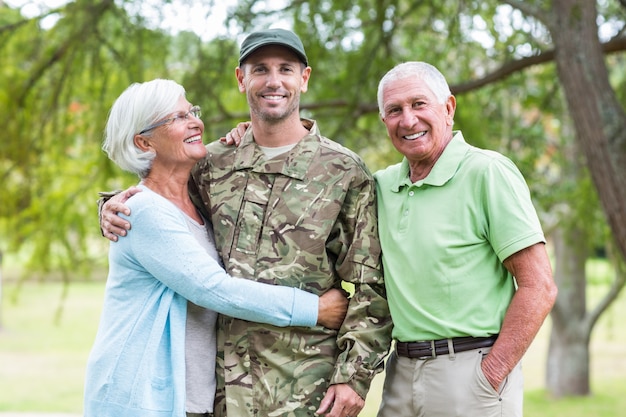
{"x":194,"y":111}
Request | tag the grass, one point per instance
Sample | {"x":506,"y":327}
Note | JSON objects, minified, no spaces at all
{"x":43,"y":351}
{"x":609,"y":401}
{"x":43,"y":355}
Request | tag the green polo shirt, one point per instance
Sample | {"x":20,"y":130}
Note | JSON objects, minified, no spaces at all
{"x":444,"y":239}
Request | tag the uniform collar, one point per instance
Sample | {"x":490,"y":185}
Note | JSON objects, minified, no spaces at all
{"x":295,"y":164}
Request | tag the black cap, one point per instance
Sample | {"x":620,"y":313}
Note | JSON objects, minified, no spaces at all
{"x":280,"y":37}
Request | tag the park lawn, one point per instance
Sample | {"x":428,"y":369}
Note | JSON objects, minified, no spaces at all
{"x":43,"y":351}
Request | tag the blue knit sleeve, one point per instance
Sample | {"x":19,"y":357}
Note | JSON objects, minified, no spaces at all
{"x":161,"y":242}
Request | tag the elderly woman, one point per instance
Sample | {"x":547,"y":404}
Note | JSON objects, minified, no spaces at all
{"x":154,"y":353}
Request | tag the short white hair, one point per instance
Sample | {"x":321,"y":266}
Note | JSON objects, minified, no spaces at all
{"x":139,"y":106}
{"x":433,"y":78}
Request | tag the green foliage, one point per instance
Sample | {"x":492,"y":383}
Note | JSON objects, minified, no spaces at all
{"x":212,"y":84}
{"x":53,"y":112}
{"x":599,"y":271}
{"x":59,"y":83}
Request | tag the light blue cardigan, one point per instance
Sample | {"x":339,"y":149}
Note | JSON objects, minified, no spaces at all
{"x":137,"y":364}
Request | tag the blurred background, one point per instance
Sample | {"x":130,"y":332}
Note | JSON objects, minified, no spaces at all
{"x":541,"y":81}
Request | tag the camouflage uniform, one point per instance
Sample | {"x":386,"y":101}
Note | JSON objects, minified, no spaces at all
{"x":305,"y":219}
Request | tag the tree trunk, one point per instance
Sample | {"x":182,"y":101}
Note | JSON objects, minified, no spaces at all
{"x":599,"y":119}
{"x":568,"y":352}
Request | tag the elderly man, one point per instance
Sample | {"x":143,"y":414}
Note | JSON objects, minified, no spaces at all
{"x":468,"y":279}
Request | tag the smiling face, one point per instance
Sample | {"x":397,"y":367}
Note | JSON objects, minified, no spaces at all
{"x":273,"y":78}
{"x":418,"y":124}
{"x":177,"y":144}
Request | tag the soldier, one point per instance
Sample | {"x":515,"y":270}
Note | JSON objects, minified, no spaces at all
{"x":290,"y":207}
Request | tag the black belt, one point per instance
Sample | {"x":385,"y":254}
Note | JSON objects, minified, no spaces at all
{"x":434,"y":348}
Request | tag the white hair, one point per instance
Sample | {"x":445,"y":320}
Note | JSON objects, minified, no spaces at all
{"x":433,"y":78}
{"x":139,"y":106}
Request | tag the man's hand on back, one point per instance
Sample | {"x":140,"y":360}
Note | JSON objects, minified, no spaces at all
{"x":111,"y":224}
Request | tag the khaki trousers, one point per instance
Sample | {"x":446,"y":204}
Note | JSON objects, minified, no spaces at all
{"x":448,"y":386}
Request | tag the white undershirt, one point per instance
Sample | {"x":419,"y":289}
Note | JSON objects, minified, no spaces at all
{"x":200,"y":338}
{"x":274,"y":152}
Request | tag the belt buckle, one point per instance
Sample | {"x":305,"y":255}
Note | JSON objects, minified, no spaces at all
{"x":433,"y":352}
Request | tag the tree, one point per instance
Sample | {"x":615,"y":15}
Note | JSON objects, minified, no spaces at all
{"x":599,"y":121}
{"x":57,"y":85}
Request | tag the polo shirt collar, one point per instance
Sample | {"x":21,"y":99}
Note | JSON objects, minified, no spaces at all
{"x":443,"y":170}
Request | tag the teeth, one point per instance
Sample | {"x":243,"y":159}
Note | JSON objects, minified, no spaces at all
{"x":414,"y":136}
{"x":273,"y":97}
{"x":193,"y":139}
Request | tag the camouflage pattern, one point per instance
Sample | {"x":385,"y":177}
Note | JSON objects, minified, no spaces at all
{"x":305,"y":219}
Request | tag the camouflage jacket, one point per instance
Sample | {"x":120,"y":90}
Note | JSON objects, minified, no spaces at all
{"x":306,"y":219}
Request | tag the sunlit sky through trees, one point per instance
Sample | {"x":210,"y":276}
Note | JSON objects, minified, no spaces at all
{"x":207,"y":19}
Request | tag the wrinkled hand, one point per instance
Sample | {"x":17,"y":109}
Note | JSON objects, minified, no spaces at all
{"x":111,"y":224}
{"x":489,"y":371}
{"x":333,"y":306}
{"x":344,"y":400}
{"x":234,"y":136}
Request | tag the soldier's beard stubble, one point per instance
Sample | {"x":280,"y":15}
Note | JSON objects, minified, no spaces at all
{"x":274,"y":116}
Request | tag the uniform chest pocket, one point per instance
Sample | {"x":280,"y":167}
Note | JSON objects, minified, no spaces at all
{"x":250,"y":222}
